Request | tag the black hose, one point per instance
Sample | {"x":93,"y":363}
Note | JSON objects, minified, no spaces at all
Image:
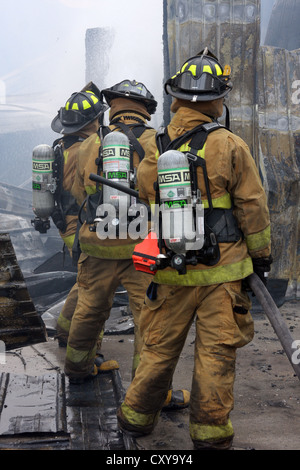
{"x":275,"y":318}
{"x":112,"y":184}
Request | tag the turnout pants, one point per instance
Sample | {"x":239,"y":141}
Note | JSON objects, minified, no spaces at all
{"x":97,"y":282}
{"x":220,"y":330}
{"x":66,"y":314}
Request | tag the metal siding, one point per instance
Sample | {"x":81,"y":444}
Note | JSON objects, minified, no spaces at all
{"x":221,"y":26}
{"x":278,"y":133}
{"x":264,"y":102}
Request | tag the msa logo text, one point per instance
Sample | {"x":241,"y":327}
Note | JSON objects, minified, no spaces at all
{"x":174,"y":177}
{"x":42,"y":166}
{"x":175,"y":204}
{"x":124,"y":152}
{"x":111,"y":152}
{"x":120,"y":175}
{"x":296,"y":94}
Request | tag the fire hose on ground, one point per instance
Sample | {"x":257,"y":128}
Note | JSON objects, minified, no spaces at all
{"x":270,"y":309}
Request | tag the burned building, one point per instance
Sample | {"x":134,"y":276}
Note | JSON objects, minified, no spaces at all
{"x":264,"y":102}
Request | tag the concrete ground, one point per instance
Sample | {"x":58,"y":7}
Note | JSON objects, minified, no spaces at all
{"x":267,"y":391}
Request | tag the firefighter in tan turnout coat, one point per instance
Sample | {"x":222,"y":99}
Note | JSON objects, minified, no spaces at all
{"x":211,"y":292}
{"x":106,"y":263}
{"x":76,"y":121}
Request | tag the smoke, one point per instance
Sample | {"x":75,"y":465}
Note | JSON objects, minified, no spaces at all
{"x":44,"y":44}
{"x":266,"y":10}
{"x":43,"y":61}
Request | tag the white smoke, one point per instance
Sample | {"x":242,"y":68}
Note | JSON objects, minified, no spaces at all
{"x":42,"y":47}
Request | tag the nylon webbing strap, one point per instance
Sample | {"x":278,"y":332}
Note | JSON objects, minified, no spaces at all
{"x":132,"y":138}
{"x":164,"y":142}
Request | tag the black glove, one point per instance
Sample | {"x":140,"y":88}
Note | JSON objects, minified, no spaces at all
{"x":262,"y":266}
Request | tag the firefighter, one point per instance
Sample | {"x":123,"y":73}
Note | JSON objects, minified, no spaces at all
{"x":211,"y":290}
{"x":105,"y":264}
{"x":76,"y":121}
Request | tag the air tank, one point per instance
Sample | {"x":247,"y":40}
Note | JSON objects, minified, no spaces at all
{"x":116,"y":167}
{"x":175,"y":200}
{"x":43,"y":185}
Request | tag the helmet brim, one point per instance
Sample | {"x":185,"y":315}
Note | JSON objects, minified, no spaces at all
{"x":195,"y":97}
{"x":150,"y":104}
{"x":60,"y":128}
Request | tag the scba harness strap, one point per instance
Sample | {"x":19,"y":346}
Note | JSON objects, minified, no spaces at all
{"x":133,"y":132}
{"x":65,"y":203}
{"x":220,"y":224}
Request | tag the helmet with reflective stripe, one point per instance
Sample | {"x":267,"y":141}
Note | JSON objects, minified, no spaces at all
{"x":80,"y":109}
{"x":201,"y":78}
{"x":132,"y":90}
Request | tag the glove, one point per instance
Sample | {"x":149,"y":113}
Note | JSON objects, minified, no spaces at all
{"x":262,"y":266}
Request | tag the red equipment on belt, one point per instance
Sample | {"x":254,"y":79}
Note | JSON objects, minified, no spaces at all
{"x":145,"y":254}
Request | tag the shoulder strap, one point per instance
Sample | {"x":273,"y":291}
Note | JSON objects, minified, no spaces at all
{"x":133,"y":132}
{"x":68,"y":140}
{"x":200,"y":132}
{"x":102,"y":132}
{"x":162,"y":139}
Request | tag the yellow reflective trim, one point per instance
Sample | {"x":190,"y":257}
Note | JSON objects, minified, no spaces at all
{"x":206,"y":277}
{"x":210,"y":432}
{"x":182,"y":68}
{"x":66,"y":155}
{"x":222,"y":202}
{"x":94,"y":98}
{"x":63,"y":323}
{"x":218,"y":69}
{"x":76,"y":356}
{"x":108,"y":252}
{"x":69,"y":240}
{"x":90,"y":189}
{"x":193,"y":69}
{"x":138,"y":419}
{"x":186,"y":148}
{"x":86,"y":104}
{"x":67,"y":105}
{"x":100,"y":338}
{"x":135,"y":363}
{"x":75,"y":106}
{"x":259,"y":241}
{"x":207,"y":69}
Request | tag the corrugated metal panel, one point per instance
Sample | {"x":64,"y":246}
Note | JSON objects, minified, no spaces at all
{"x":46,"y":412}
{"x":278,"y":133}
{"x":20,"y":324}
{"x":231,"y":30}
{"x":264,"y":102}
{"x":283,"y":29}
{"x":16,"y":214}
{"x":32,"y":404}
